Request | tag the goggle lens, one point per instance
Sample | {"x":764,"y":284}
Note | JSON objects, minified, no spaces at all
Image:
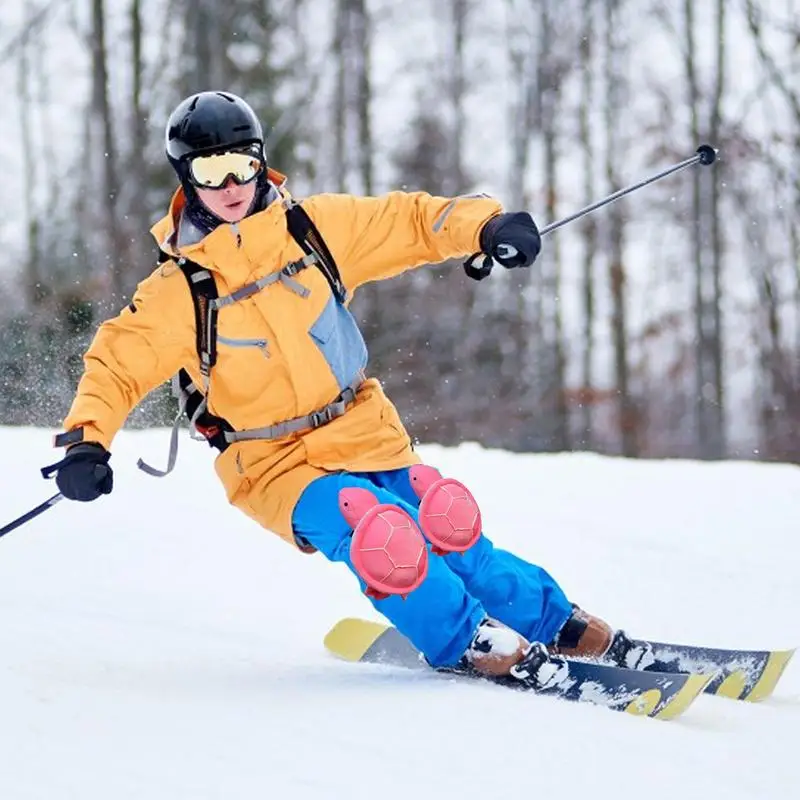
{"x":213,"y":171}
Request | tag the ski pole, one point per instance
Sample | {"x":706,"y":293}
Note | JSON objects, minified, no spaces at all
{"x":705,"y":155}
{"x":34,"y":512}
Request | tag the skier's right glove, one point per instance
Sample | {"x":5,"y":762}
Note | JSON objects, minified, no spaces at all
{"x":84,"y":473}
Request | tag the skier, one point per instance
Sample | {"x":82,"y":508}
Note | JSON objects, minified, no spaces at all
{"x":276,"y":382}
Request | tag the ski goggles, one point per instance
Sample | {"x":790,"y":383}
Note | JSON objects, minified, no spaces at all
{"x":213,"y":171}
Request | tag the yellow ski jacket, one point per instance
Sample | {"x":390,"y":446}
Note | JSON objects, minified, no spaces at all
{"x":281,"y":355}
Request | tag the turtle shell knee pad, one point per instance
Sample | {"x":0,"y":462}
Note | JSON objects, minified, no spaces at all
{"x":448,"y":513}
{"x":387,"y":550}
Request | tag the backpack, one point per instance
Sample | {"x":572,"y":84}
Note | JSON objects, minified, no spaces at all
{"x":192,"y":400}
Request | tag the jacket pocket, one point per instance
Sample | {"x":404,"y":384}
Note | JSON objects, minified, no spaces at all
{"x":391,"y":419}
{"x":261,"y":344}
{"x":231,"y":472}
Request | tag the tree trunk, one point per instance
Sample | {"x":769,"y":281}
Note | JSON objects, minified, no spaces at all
{"x":202,"y":25}
{"x":781,"y":80}
{"x":340,"y":98}
{"x":706,"y":256}
{"x":718,"y":443}
{"x":551,"y":285}
{"x":102,"y":114}
{"x":459,"y":10}
{"x":33,"y":278}
{"x":137,"y":161}
{"x":360,"y":26}
{"x":702,"y":433}
{"x":613,"y":107}
{"x":589,"y":225}
{"x":522,"y":116}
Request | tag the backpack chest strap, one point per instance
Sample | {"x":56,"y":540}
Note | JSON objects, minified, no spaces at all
{"x":284,"y":276}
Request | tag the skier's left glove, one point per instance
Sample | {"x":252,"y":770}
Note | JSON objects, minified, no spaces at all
{"x":84,"y":473}
{"x":511,"y":239}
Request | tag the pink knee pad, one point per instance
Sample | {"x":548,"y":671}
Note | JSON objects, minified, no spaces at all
{"x":388,"y":550}
{"x":448,"y":513}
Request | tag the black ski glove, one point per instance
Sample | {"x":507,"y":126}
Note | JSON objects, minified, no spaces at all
{"x":511,"y":239}
{"x":84,"y":473}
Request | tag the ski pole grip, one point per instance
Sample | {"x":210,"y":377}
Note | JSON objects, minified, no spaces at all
{"x":706,"y":154}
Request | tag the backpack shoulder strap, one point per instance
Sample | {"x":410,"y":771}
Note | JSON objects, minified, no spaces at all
{"x":203,"y":289}
{"x":307,"y":235}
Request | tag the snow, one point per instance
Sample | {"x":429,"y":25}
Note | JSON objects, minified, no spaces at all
{"x":157,"y":644}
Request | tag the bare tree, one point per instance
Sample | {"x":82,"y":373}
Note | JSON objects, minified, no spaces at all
{"x":524,"y":91}
{"x":716,"y":244}
{"x":701,"y":347}
{"x":587,"y":50}
{"x":202,"y":18}
{"x":706,"y":255}
{"x":779,"y":375}
{"x":137,"y":166}
{"x":339,"y":53}
{"x":614,"y":102}
{"x":456,"y":90}
{"x":484,"y":361}
{"x":106,"y":151}
{"x":552,"y":70}
{"x":352,"y":127}
{"x":362,"y":53}
{"x":33,"y":278}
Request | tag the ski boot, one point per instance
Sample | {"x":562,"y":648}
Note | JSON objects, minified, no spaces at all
{"x":496,"y":651}
{"x":448,"y":514}
{"x":587,"y":636}
{"x":387,"y":550}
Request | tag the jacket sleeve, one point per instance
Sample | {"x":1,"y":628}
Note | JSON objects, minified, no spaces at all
{"x":373,"y":238}
{"x":133,"y":353}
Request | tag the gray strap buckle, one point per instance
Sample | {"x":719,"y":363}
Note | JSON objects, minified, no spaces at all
{"x":322,"y":417}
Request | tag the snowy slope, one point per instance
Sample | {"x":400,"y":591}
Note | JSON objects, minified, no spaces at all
{"x":158,"y":645}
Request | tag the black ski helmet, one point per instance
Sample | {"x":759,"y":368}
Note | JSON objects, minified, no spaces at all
{"x":209,"y":122}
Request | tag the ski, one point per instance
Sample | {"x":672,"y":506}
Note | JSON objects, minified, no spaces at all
{"x":748,"y":675}
{"x":652,"y":694}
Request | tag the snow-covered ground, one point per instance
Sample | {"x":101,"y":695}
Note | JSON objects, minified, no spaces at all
{"x":157,"y":644}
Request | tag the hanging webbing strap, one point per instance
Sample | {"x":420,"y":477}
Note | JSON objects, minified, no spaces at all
{"x":203,"y":426}
{"x":173,"y":447}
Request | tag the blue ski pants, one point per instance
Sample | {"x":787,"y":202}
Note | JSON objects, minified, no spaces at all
{"x":441,"y":616}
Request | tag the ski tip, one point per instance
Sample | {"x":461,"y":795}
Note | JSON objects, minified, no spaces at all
{"x":776,"y":664}
{"x":351,"y":638}
{"x":692,"y":688}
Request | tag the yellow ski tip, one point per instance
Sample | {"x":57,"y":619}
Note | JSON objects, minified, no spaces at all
{"x":350,"y":638}
{"x":685,"y":696}
{"x":765,"y":685}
